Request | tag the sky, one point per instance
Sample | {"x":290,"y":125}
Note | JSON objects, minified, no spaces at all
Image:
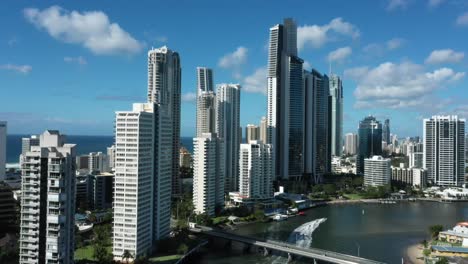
{"x":69,"y":65}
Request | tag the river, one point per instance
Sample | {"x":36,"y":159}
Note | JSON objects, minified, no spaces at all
{"x":381,"y":232}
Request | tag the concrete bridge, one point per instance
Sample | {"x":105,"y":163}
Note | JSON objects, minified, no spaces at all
{"x":290,"y":249}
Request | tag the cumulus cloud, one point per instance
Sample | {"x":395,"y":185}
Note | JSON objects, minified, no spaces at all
{"x":340,"y":54}
{"x":395,"y":43}
{"x":462,"y":20}
{"x":444,"y":56}
{"x":401,"y":85}
{"x":80,"y":60}
{"x":189,"y":97}
{"x":316,"y":36}
{"x":234,"y":59}
{"x":256,"y":83}
{"x":306,"y":65}
{"x":397,"y":4}
{"x":434,"y":3}
{"x":92,"y":29}
{"x":24,"y":69}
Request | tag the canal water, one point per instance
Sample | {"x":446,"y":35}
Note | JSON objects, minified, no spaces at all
{"x":380,"y":232}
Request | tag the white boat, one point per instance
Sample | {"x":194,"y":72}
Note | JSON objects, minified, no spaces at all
{"x":280,"y":217}
{"x":82,"y":228}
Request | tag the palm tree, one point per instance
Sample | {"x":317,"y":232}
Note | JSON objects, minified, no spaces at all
{"x":127,"y":255}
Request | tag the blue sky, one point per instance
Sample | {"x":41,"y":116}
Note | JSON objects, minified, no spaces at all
{"x":69,"y":65}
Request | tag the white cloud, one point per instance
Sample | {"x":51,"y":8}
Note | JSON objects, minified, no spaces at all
{"x":395,"y":43}
{"x":434,"y":3}
{"x":401,"y":85}
{"x":189,"y":97}
{"x":234,"y":59}
{"x":445,"y":56}
{"x":25,"y":69}
{"x":340,"y":54}
{"x":257,"y":82}
{"x":462,"y":20}
{"x":397,"y":4}
{"x":92,"y":29}
{"x":316,"y":36}
{"x":80,"y":60}
{"x":307,"y":66}
{"x":162,"y":39}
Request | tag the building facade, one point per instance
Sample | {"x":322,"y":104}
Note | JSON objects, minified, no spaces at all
{"x":386,"y":132}
{"x":47,"y":230}
{"x":444,"y":150}
{"x":204,"y":80}
{"x":336,"y":115}
{"x":3,"y":146}
{"x":228,"y":129}
{"x":415,"y":177}
{"x":206,"y":112}
{"x":370,"y":141}
{"x":164,"y":88}
{"x":98,"y":162}
{"x":256,"y":170}
{"x":208,"y":174}
{"x":263,"y":129}
{"x":351,"y":143}
{"x":252,"y":133}
{"x":377,"y":171}
{"x":111,"y":156}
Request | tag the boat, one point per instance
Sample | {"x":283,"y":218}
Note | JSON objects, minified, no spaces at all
{"x":83,"y":227}
{"x":301,"y":213}
{"x":280,"y":217}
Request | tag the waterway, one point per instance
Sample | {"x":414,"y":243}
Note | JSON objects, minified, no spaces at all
{"x":380,"y":232}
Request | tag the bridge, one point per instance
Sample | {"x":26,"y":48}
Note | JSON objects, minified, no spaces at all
{"x":291,"y":249}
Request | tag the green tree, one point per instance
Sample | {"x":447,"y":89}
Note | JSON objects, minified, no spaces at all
{"x":127,"y":255}
{"x":358,"y":181}
{"x":101,"y":254}
{"x":329,"y":189}
{"x":182,"y":249}
{"x":424,"y":243}
{"x":259,"y":215}
{"x":434,"y":230}
{"x":317,"y":188}
{"x":442,"y":260}
{"x":426,"y":252}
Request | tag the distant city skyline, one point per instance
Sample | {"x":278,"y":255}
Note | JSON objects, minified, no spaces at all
{"x":64,"y":67}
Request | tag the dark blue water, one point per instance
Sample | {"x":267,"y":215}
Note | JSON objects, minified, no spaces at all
{"x":84,"y":144}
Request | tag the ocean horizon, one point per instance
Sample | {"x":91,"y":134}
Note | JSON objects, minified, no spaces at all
{"x":84,"y":144}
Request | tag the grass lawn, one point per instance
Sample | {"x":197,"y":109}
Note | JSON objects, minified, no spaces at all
{"x":353,"y":196}
{"x":165,"y":259}
{"x":87,"y":252}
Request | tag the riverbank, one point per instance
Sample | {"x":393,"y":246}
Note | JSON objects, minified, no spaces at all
{"x":414,"y":254}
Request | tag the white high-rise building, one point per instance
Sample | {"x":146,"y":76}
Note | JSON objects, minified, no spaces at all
{"x":206,"y":113}
{"x":204,"y":80}
{"x":111,"y":156}
{"x":444,"y":150}
{"x":228,"y":129}
{"x":164,"y":88}
{"x":252,"y":132}
{"x":3,"y":143}
{"x":256,"y":170}
{"x":47,"y":229}
{"x":27,"y":143}
{"x":377,"y":171}
{"x":208,"y":174}
{"x":98,"y":162}
{"x":415,"y":153}
{"x":142,"y":195}
{"x":351,"y":142}
{"x":263,"y":130}
{"x":336,"y":115}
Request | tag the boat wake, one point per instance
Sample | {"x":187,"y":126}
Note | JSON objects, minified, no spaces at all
{"x":302,"y":236}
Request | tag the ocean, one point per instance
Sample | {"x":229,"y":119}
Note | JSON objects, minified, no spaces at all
{"x":84,"y":144}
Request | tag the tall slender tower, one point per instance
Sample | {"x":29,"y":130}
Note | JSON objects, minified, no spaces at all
{"x":285,"y":115}
{"x":48,"y":185}
{"x":263,"y":130}
{"x":204,"y":80}
{"x":228,"y":129}
{"x":3,"y":142}
{"x":386,"y":132}
{"x":444,"y":150}
{"x":164,"y":88}
{"x":336,"y":115}
{"x":206,"y":113}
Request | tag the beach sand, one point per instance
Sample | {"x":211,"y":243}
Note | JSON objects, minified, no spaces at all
{"x":413,"y":253}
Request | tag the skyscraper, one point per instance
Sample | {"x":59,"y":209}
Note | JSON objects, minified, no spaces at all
{"x":98,"y":162}
{"x":317,"y":158}
{"x":256,"y":170}
{"x":377,"y":171}
{"x":111,"y":156}
{"x":27,"y":143}
{"x":142,"y":197}
{"x":228,"y":129}
{"x":351,"y":142}
{"x":204,"y":80}
{"x":48,"y":201}
{"x":285,"y":115}
{"x":263,"y":129}
{"x":208,"y":174}
{"x":336,"y":115}
{"x":252,"y":132}
{"x":206,"y":113}
{"x":370,"y":141}
{"x":386,"y":132}
{"x":164,"y":87}
{"x":444,"y":150}
{"x":3,"y":142}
